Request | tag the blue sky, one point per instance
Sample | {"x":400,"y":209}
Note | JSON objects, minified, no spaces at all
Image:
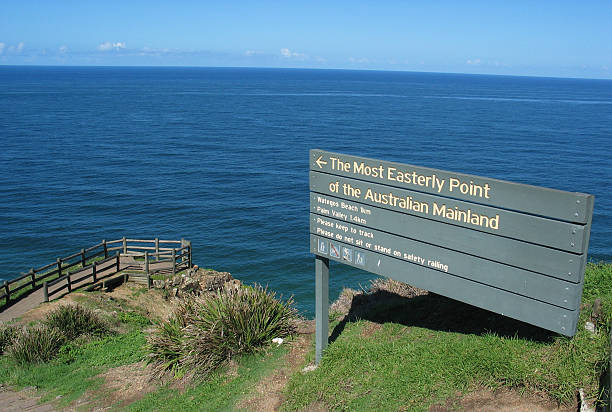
{"x":541,"y":38}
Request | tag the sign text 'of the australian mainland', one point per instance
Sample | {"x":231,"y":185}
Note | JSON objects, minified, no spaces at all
{"x":511,"y":248}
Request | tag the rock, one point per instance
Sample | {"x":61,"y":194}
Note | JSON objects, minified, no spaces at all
{"x":584,"y":405}
{"x":158,"y":284}
{"x":309,"y":368}
{"x":212,"y":280}
{"x":175,"y":292}
{"x":278,"y":341}
{"x":232,"y":285}
{"x":590,"y":326}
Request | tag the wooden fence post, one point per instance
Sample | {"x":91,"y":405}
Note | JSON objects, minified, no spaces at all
{"x":146,"y":264}
{"x":69,"y":283}
{"x":94,"y":268}
{"x":33,"y":278}
{"x":46,"y":291}
{"x":105,"y":248}
{"x":124,"y":245}
{"x":6,"y":291}
{"x":189,"y":261}
{"x":83,"y":258}
{"x":59,"y":267}
{"x":156,"y":248}
{"x":174,"y":261}
{"x":118,"y":262}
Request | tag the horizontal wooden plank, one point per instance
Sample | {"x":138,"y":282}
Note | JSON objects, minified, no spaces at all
{"x":43,"y":268}
{"x":134,"y":247}
{"x":509,"y":304}
{"x":534,"y":229}
{"x":70,"y":265}
{"x":552,"y":262}
{"x":89,"y":249}
{"x":77,"y":280}
{"x":20,"y":277}
{"x":556,"y":204}
{"x":58,"y":289}
{"x":77,"y":254}
{"x":22,"y":286}
{"x":112,"y":242}
{"x":46,"y":275}
{"x":523,"y":282}
{"x":55,"y":281}
{"x":108,"y":259}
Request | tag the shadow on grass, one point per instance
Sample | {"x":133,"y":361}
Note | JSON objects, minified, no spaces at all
{"x":438,"y":313}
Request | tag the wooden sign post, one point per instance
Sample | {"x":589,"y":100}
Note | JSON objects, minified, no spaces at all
{"x":514,"y":249}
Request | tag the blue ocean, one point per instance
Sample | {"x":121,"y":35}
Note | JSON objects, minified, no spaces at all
{"x":219,"y":156}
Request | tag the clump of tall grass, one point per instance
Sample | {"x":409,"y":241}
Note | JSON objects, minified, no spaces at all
{"x":36,"y":344}
{"x":75,"y":320}
{"x":7,"y":336}
{"x":206,"y":331}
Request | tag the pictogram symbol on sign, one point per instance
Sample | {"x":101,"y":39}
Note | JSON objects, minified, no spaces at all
{"x":360,"y":258}
{"x":323,"y":247}
{"x":347,"y":254}
{"x":334,"y":250}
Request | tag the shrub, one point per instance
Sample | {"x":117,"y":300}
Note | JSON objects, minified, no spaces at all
{"x":7,"y":335}
{"x":208,"y":330}
{"x":76,"y":320}
{"x":36,"y":344}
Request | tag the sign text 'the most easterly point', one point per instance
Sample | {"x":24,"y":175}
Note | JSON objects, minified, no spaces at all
{"x":412,"y":179}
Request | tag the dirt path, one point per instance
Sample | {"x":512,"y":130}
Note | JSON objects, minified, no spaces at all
{"x":24,"y":400}
{"x":268,"y":395}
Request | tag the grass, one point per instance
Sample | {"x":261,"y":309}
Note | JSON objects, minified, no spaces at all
{"x":221,"y":391}
{"x":409,"y":354}
{"x":391,"y":353}
{"x":74,"y":371}
{"x":207,"y":331}
{"x":36,"y":344}
{"x":77,"y":368}
{"x":75,"y":365}
{"x":7,"y":335}
{"x":161,"y":276}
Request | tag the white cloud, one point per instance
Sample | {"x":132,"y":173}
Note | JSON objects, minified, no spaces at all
{"x":2,"y":46}
{"x":358,"y":60}
{"x":253,"y":52}
{"x":14,"y":49}
{"x":63,"y":49}
{"x":475,"y":62}
{"x":288,"y":54}
{"x":107,"y":46}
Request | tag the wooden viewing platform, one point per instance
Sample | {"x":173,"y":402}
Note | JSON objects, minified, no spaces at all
{"x":137,"y":259}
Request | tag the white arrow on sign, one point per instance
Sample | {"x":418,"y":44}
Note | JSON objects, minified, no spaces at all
{"x":320,"y":162}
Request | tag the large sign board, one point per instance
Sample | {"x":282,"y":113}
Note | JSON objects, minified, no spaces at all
{"x":514,"y":249}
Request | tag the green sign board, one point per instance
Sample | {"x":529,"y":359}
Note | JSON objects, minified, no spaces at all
{"x":514,"y":249}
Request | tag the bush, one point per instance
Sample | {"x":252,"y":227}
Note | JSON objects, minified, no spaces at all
{"x":7,"y":335}
{"x":208,"y":330}
{"x":76,"y":320}
{"x":36,"y":344}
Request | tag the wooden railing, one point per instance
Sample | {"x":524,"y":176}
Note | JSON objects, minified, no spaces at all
{"x":96,"y":266}
{"x":152,"y":251}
